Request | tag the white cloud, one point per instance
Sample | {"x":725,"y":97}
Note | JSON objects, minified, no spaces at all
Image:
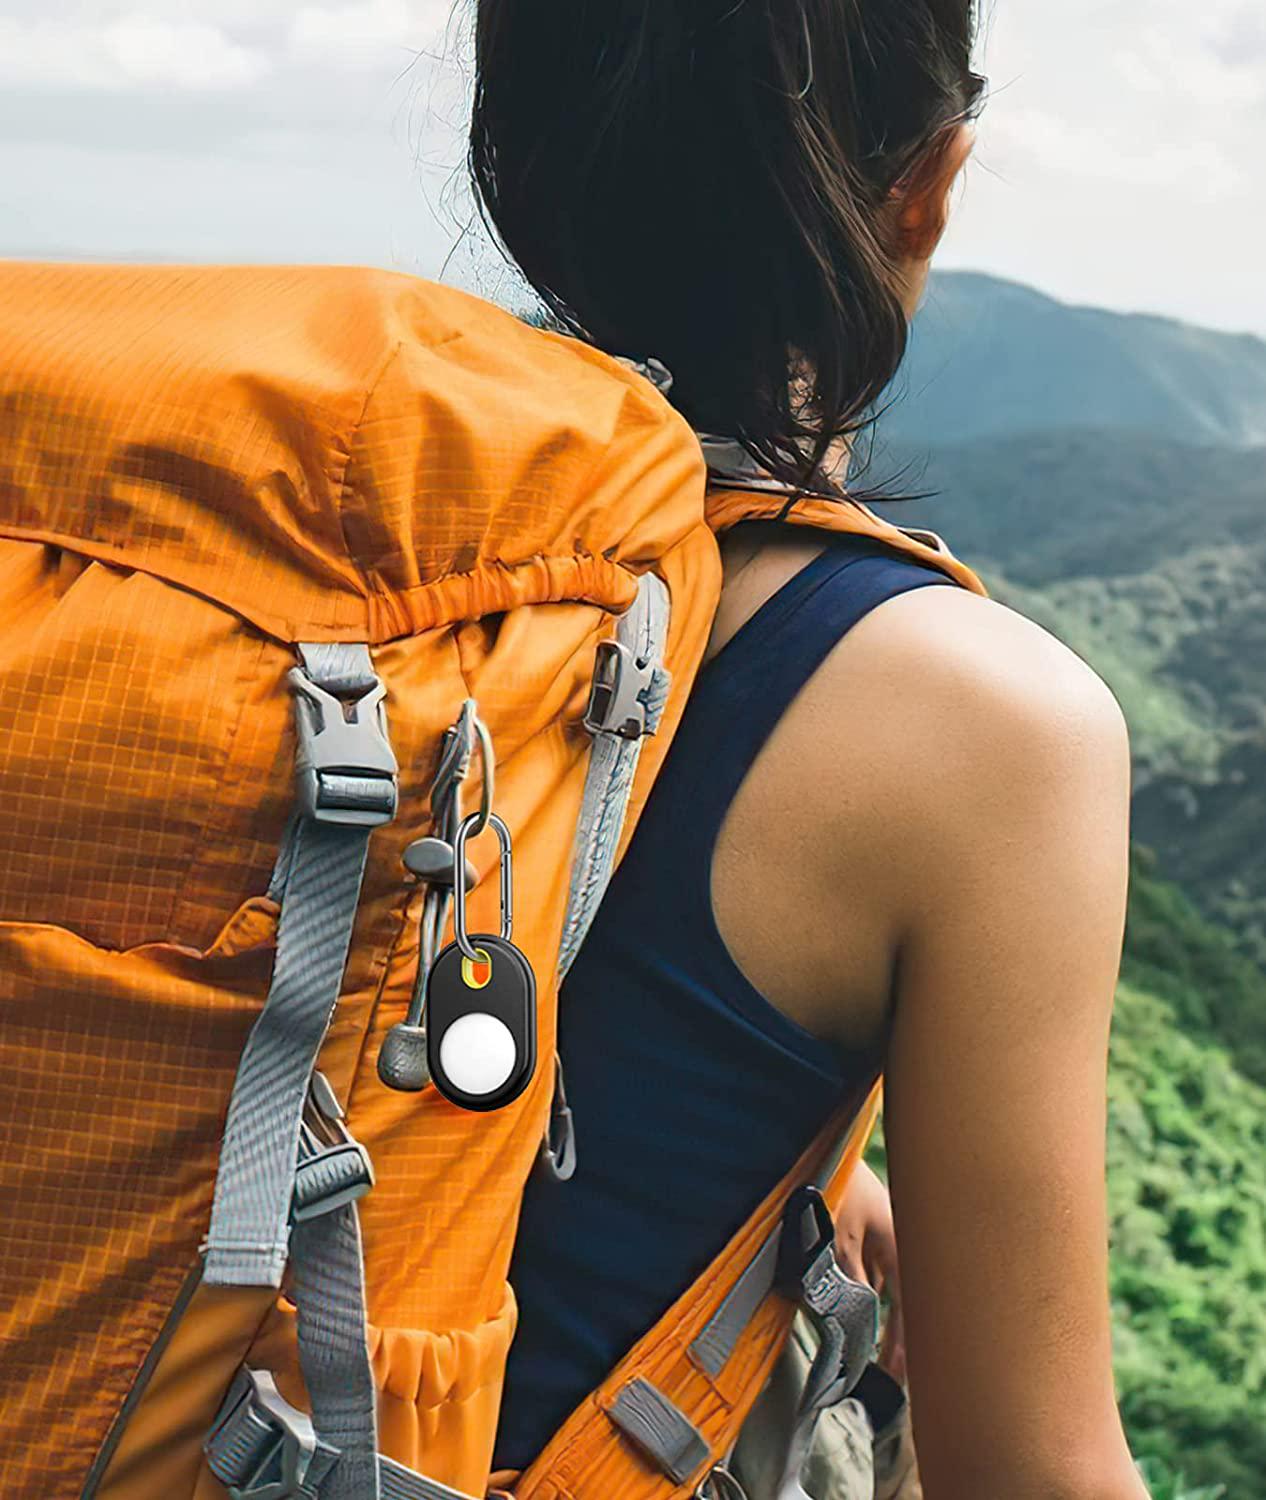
{"x":358,"y":32}
{"x":132,"y":50}
{"x":1204,"y":70}
{"x":188,"y":55}
{"x":1035,"y":138}
{"x":1119,"y":159}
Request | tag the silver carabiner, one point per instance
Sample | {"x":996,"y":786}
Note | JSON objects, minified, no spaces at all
{"x":475,"y":822}
{"x":719,"y":1484}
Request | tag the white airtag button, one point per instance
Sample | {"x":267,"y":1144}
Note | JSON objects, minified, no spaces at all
{"x":477,"y":1053}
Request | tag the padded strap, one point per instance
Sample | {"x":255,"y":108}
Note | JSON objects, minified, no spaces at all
{"x":581,"y":1459}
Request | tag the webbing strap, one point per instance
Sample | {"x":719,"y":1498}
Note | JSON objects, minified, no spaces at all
{"x":719,"y":1337}
{"x":642,"y":633}
{"x":327,"y":1271}
{"x":272,"y":1170}
{"x":262,"y":1448}
{"x":249,"y":1237}
{"x":844,"y":1313}
{"x":660,"y":1429}
{"x":399,"y":1483}
{"x":631,"y":704}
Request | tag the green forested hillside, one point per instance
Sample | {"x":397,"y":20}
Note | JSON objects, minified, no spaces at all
{"x":1187,"y":1189}
{"x":1187,"y":1198}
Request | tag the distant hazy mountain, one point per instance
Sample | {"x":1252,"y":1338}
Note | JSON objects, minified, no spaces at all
{"x":989,"y":358}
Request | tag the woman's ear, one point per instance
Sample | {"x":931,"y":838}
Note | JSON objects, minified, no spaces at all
{"x":921,"y":198}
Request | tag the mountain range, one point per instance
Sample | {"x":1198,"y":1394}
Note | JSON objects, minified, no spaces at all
{"x":988,"y":358}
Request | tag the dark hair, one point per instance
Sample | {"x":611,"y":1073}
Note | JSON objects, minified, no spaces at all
{"x":708,"y":182}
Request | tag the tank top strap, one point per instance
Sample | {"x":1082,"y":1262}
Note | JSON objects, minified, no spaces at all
{"x":743,"y":691}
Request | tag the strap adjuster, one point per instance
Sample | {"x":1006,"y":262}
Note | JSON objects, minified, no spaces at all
{"x":345,"y":769}
{"x":330,"y":1177}
{"x":262,"y":1448}
{"x":330,"y":1173}
{"x":617,"y":699}
{"x":808,"y":1230}
{"x":845,"y":1311}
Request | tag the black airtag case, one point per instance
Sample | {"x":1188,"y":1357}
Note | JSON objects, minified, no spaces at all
{"x":470,"y":1009}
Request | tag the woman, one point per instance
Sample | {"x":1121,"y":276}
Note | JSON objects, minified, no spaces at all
{"x":893,"y":828}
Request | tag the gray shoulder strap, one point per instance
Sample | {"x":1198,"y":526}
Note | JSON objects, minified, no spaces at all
{"x":631,"y":687}
{"x":630,"y":691}
{"x":276,"y":1169}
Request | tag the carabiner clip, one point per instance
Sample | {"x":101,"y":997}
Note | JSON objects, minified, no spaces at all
{"x":474,"y":822}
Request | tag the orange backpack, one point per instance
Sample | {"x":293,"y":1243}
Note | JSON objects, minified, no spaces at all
{"x":276,"y":544}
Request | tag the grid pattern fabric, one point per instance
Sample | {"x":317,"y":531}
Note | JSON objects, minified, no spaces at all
{"x":199,"y":467}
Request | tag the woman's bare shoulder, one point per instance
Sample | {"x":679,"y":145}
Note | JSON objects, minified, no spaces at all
{"x":946,"y":694}
{"x":941,"y":730}
{"x":941,"y":734}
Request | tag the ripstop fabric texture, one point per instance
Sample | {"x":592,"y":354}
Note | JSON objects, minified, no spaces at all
{"x":201,"y":467}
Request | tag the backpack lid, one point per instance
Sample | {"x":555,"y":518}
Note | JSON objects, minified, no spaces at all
{"x":333,"y":453}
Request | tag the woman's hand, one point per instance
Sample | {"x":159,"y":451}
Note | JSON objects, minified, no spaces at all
{"x":867,"y":1247}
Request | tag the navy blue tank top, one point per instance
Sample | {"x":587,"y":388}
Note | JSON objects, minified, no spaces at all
{"x":691,"y":1094}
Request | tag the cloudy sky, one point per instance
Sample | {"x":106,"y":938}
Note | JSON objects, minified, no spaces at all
{"x":1120,"y":162}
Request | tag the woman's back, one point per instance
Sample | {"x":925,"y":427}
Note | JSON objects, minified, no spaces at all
{"x":926,"y":855}
{"x":692,"y":1094}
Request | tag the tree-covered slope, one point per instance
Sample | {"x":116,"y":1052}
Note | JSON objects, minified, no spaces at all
{"x":1187,"y":1191}
{"x":1187,"y":1199}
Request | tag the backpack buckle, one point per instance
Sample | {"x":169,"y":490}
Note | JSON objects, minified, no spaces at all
{"x":333,"y":1169}
{"x":617,"y":698}
{"x":808,"y":1230}
{"x":329,"y":1177}
{"x":262,"y":1448}
{"x":345,"y":769}
{"x":846,"y":1312}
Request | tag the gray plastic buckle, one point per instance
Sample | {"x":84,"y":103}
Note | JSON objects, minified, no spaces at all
{"x":810,"y":1273}
{"x":616,"y":700}
{"x":345,"y":769}
{"x":331,"y":1178}
{"x":262,"y":1448}
{"x":329,"y":1173}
